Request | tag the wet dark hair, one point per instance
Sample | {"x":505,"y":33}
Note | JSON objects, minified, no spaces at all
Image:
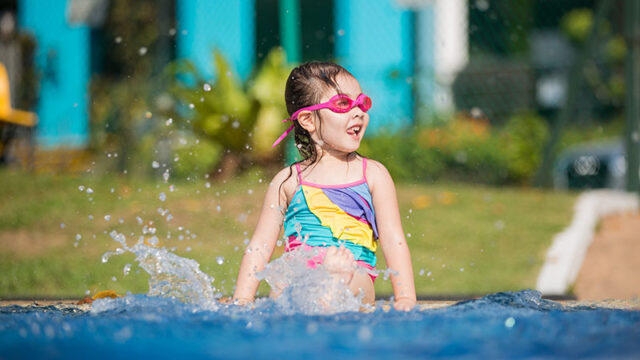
{"x":305,"y":86}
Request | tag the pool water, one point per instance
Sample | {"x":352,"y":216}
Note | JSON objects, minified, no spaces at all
{"x":510,"y":324}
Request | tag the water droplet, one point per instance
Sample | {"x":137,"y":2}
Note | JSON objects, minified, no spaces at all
{"x":165,"y":175}
{"x":220,"y":260}
{"x":168,"y":122}
{"x":89,"y":191}
{"x":147,"y":115}
{"x":139,"y":220}
{"x":421,"y":272}
{"x":191,"y":106}
{"x":61,"y":225}
{"x":365,"y":334}
{"x":235,"y":124}
{"x":126,"y":269}
{"x":142,"y":51}
{"x":107,"y":217}
{"x":250,"y":191}
{"x":81,"y":188}
{"x":155,"y":164}
{"x":499,"y":225}
{"x":207,"y":184}
{"x":482,"y":5}
{"x":207,"y":87}
{"x":510,"y":322}
{"x":218,"y":208}
{"x":162,"y":197}
{"x":118,"y":39}
{"x":341,"y":32}
{"x":461,"y":269}
{"x":429,"y":274}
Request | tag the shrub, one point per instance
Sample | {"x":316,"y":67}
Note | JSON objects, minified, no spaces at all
{"x":522,"y":140}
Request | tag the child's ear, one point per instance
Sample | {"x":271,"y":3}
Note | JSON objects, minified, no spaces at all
{"x":305,"y":119}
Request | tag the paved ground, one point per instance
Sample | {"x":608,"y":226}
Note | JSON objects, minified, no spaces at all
{"x":611,"y":269}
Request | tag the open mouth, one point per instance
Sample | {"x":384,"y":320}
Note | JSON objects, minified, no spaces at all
{"x":354,"y":130}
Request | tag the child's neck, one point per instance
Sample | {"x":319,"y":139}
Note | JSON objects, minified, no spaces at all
{"x":334,"y":157}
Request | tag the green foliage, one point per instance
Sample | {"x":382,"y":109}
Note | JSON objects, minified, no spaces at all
{"x":463,"y":149}
{"x":577,"y":24}
{"x":242,"y":118}
{"x":522,"y":140}
{"x":195,"y":156}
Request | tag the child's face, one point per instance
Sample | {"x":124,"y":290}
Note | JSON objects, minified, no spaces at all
{"x":341,"y":131}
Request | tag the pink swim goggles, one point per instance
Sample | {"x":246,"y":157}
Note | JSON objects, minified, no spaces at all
{"x":340,"y":103}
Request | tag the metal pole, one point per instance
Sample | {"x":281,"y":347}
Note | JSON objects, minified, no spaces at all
{"x":632,"y":100}
{"x":290,"y":38}
{"x":543,"y":176}
{"x":290,"y":29}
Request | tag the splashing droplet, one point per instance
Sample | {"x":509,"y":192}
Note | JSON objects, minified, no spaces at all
{"x":510,"y":322}
{"x":162,"y":197}
{"x":220,"y":260}
{"x":155,"y":164}
{"x":207,"y":87}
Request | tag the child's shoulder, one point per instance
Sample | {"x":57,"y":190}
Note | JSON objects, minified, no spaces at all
{"x":377,"y":174}
{"x":286,"y":179}
{"x":375,"y":169}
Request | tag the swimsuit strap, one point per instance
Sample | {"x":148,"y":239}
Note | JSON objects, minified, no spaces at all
{"x":364,"y":169}
{"x":299,"y":174}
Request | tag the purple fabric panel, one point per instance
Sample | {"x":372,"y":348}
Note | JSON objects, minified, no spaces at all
{"x":353,"y":204}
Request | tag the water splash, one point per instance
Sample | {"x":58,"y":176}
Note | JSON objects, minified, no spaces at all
{"x":307,"y":290}
{"x":170,"y":275}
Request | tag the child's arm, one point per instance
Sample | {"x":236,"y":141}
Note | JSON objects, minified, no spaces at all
{"x":263,"y":242}
{"x":392,"y":241}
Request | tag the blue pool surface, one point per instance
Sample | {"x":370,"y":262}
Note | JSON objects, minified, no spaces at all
{"x":502,"y":325}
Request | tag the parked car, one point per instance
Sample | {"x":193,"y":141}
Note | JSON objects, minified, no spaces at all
{"x":592,"y":166}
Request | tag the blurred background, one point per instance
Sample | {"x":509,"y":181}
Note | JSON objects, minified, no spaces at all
{"x":156,"y":118}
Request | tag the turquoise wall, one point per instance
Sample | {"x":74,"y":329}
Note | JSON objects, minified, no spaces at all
{"x":374,"y":41}
{"x":62,"y":60}
{"x":205,"y":25}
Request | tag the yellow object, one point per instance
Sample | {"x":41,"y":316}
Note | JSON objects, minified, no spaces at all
{"x":104,"y":294}
{"x":332,"y":216}
{"x":421,"y":201}
{"x":447,"y":198}
{"x":7,"y":114}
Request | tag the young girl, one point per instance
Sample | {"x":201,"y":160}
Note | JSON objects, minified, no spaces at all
{"x":335,"y":201}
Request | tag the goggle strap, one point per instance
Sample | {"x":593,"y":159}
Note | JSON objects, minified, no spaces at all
{"x":284,"y":134}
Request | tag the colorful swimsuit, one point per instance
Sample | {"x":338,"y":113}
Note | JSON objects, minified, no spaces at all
{"x":332,"y":215}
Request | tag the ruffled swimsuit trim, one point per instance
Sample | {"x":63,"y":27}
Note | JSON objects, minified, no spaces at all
{"x":334,"y":215}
